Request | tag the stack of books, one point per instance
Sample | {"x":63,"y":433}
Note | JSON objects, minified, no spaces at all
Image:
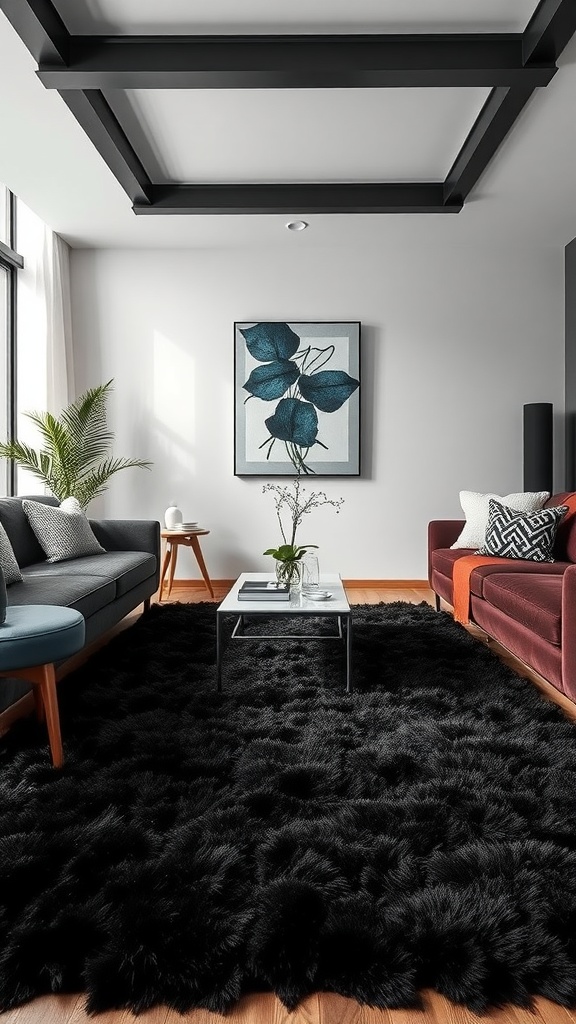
{"x":262,"y":590}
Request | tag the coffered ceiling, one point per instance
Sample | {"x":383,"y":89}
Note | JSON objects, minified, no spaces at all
{"x":298,"y":107}
{"x":126,"y":17}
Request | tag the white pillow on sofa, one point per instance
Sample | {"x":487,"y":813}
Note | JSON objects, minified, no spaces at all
{"x":476,"y":510}
{"x":63,"y":532}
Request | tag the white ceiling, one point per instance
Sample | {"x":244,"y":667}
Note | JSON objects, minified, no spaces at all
{"x":527,"y":195}
{"x":228,"y":16}
{"x":305,"y":134}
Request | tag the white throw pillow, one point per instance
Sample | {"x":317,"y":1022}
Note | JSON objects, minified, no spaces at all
{"x":476,"y":510}
{"x":63,"y":532}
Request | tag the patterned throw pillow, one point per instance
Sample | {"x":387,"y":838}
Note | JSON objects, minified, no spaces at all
{"x":475,"y":509}
{"x":62,"y":532}
{"x":10,"y":566}
{"x":513,"y":534}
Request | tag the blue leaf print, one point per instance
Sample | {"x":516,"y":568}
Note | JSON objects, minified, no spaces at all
{"x":294,"y":421}
{"x":272,"y":380}
{"x":328,"y":389}
{"x":266,"y":342}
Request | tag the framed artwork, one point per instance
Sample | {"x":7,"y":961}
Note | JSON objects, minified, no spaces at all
{"x":297,"y":398}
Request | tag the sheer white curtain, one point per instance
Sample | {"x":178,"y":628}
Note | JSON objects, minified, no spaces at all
{"x":56,"y":294}
{"x":44,"y":335}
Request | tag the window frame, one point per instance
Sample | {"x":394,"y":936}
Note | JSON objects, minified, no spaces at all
{"x":11,"y":261}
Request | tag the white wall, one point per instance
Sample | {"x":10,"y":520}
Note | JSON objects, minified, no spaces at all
{"x":454,"y":342}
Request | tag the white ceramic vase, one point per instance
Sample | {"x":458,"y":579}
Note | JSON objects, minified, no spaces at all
{"x":172,"y":516}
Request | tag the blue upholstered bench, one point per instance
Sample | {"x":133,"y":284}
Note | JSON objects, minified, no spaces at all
{"x":32,"y":638}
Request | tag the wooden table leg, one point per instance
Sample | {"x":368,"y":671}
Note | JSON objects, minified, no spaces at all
{"x":165,"y":564}
{"x":173,"y":557}
{"x":198,"y":552}
{"x":218,"y":654}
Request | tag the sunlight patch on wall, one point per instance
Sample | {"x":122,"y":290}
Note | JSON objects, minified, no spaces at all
{"x":174,"y":409}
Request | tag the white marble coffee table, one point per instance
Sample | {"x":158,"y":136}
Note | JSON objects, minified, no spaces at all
{"x":336,"y":607}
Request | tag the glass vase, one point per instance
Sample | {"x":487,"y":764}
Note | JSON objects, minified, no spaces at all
{"x":310,"y":574}
{"x":289,"y":573}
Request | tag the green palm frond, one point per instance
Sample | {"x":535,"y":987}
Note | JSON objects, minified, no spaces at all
{"x":38,"y":463}
{"x":85,"y":422}
{"x":91,"y":486}
{"x":75,"y":459}
{"x":58,"y":448}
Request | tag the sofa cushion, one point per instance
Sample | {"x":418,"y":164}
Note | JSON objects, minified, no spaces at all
{"x":10,"y":567}
{"x":63,"y":532}
{"x":20,"y":533}
{"x":535,"y":601}
{"x":87,"y":594}
{"x":530,"y":535}
{"x":126,"y":569}
{"x":475,"y":507}
{"x":442,"y":561}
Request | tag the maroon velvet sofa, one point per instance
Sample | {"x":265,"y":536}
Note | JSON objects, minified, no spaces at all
{"x":528,"y":607}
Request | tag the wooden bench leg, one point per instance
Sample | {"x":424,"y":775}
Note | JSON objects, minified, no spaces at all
{"x":38,"y":703}
{"x":46,"y":682}
{"x":43,"y":679}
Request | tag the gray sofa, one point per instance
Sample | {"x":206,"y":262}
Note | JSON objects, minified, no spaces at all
{"x":103,"y":587}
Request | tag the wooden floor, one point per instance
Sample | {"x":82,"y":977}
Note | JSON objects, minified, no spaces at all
{"x":322,"y":1007}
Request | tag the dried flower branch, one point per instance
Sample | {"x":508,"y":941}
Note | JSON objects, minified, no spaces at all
{"x":294,"y":502}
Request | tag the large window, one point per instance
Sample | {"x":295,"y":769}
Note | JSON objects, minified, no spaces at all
{"x":32,"y":330}
{"x":35,"y":344}
{"x":4,"y":372}
{"x":10,"y":263}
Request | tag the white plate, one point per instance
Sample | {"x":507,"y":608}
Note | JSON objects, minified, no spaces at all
{"x":320,"y":595}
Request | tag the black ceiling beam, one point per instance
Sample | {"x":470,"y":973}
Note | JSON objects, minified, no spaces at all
{"x":103,"y":129}
{"x":513,"y":65}
{"x":301,"y":199}
{"x":487,"y":134}
{"x":549,"y":30}
{"x":294,"y":62}
{"x":40,"y":27}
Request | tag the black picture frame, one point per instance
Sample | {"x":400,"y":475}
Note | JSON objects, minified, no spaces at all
{"x":297,"y":392}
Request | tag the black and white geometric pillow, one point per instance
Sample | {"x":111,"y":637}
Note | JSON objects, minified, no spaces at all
{"x":528,"y":535}
{"x":10,"y":566}
{"x":62,"y":532}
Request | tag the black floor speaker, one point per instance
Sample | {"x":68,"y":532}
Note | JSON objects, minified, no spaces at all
{"x":538,"y":447}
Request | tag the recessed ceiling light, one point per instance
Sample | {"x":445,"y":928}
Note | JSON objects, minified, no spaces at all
{"x":297,"y":225}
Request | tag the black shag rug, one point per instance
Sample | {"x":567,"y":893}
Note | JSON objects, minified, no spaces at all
{"x":283,"y":835}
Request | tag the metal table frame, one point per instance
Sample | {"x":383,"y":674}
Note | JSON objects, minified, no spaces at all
{"x":311,"y":610}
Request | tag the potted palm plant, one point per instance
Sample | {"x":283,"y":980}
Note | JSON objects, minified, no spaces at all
{"x":75,"y":460}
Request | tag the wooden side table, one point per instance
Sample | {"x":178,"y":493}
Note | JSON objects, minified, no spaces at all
{"x":175,"y":538}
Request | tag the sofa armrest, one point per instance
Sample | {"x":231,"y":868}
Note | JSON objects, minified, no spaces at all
{"x":569,"y":631}
{"x":128,"y":535}
{"x":441,"y":534}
